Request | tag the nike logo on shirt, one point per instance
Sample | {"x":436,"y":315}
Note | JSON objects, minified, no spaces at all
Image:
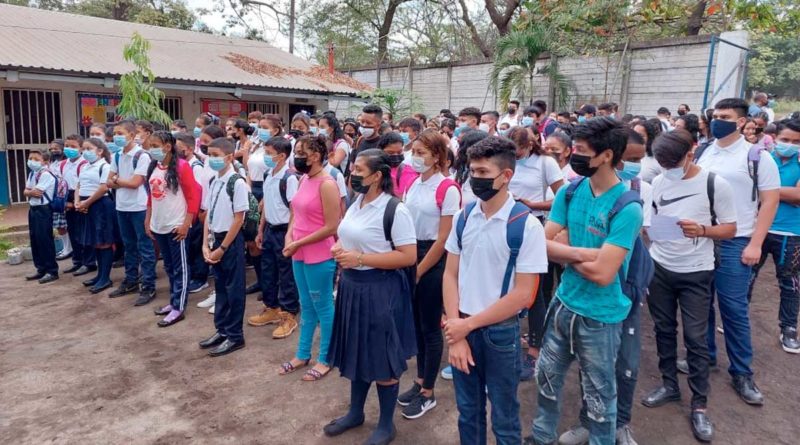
{"x":663,"y":202}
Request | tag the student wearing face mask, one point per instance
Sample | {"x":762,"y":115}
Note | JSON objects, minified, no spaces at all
{"x":40,"y":188}
{"x":59,"y":218}
{"x":403,"y":175}
{"x":83,"y":260}
{"x":369,"y":129}
{"x":469,"y":117}
{"x":143,"y":131}
{"x":253,"y":119}
{"x":300,"y":123}
{"x":559,"y":144}
{"x":350,"y":128}
{"x":489,"y":122}
{"x":202,"y":121}
{"x":684,"y":269}
{"x":339,"y":156}
{"x":178,"y":126}
{"x":198,"y":268}
{"x":756,"y":200}
{"x":409,"y":128}
{"x":432,"y":200}
{"x":511,"y":117}
{"x":173,"y":201}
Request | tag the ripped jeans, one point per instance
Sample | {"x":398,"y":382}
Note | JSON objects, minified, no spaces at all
{"x":569,"y":336}
{"x":315,"y":286}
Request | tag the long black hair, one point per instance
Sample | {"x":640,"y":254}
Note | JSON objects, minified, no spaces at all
{"x":378,"y":161}
{"x":469,"y":139}
{"x":100,"y":145}
{"x":166,"y":138}
{"x":336,"y":132}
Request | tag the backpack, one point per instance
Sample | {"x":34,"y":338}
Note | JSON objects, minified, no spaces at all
{"x":63,"y":164}
{"x":283,"y":185}
{"x":640,"y":267}
{"x":441,"y":191}
{"x":252,"y":216}
{"x":515,"y":233}
{"x":58,"y":199}
{"x":753,"y":159}
{"x":409,"y":272}
{"x":136,"y":157}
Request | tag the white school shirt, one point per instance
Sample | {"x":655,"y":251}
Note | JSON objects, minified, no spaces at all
{"x":255,"y":164}
{"x":650,"y":169}
{"x":127,"y":199}
{"x":338,"y":176}
{"x":70,"y":172}
{"x":275,"y":211}
{"x":731,"y":163}
{"x":342,"y":144}
{"x":420,"y":200}
{"x":646,"y":193}
{"x":218,"y":203}
{"x":483,"y":260}
{"x":362,"y":227}
{"x":92,"y":175}
{"x":688,"y":199}
{"x":167,"y":208}
{"x":43,"y":180}
{"x":199,"y":171}
{"x":512,"y":121}
{"x":532,"y":177}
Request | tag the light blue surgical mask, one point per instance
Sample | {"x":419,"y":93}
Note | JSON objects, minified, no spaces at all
{"x":629,"y":170}
{"x":457,"y":132}
{"x":35,"y":166}
{"x":581,"y":119}
{"x":216,"y":163}
{"x":253,"y":125}
{"x":406,"y":137}
{"x":786,"y":150}
{"x":674,"y":174}
{"x":90,"y":156}
{"x":462,"y":125}
{"x":71,"y":153}
{"x":269,"y":162}
{"x":313,"y":130}
{"x":114,"y":148}
{"x":196,"y":132}
{"x":157,"y":153}
{"x":503,"y":133}
{"x":322,"y":132}
{"x":264,"y":134}
{"x":527,"y":121}
{"x":120,"y":140}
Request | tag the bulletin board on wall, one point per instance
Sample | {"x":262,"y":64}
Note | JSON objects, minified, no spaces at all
{"x":96,"y":108}
{"x":225,"y":108}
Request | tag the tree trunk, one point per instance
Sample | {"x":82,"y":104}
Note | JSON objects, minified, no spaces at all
{"x":502,"y":20}
{"x":473,"y":32}
{"x":695,"y":22}
{"x":386,"y":27}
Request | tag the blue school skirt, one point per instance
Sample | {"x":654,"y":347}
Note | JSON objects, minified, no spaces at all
{"x":98,"y":227}
{"x":373,"y":325}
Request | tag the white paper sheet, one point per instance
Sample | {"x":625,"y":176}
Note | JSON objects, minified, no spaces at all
{"x":664,"y":228}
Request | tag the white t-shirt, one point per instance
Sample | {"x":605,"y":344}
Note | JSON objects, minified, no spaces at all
{"x":731,"y":163}
{"x":275,"y":211}
{"x":255,"y":164}
{"x":467,"y":196}
{"x":69,"y":171}
{"x":339,"y":177}
{"x":362,"y":227}
{"x":218,"y":203}
{"x":44,"y":180}
{"x":650,"y":169}
{"x":532,"y":177}
{"x":127,"y":199}
{"x":688,"y":199}
{"x":200,"y":175}
{"x":420,"y":200}
{"x":167,"y":208}
{"x":482,"y":264}
{"x":92,"y":175}
{"x":342,"y":144}
{"x":512,"y":121}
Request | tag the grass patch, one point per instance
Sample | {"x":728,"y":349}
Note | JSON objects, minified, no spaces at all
{"x":786,"y":107}
{"x":5,"y":244}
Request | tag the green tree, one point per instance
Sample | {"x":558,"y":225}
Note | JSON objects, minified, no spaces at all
{"x":168,"y":13}
{"x":397,"y":102}
{"x":140,"y":98}
{"x":775,"y":67}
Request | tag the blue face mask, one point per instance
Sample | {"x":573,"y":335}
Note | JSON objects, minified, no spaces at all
{"x":253,"y":125}
{"x":157,"y":153}
{"x":196,"y":132}
{"x":721,"y":129}
{"x":462,"y":125}
{"x":527,"y":121}
{"x":216,"y":164}
{"x":629,"y":170}
{"x":406,"y":137}
{"x":313,"y":130}
{"x":581,"y":119}
{"x":90,"y":156}
{"x":264,"y":134}
{"x":503,"y":132}
{"x":35,"y":166}
{"x":120,"y":140}
{"x":269,"y":162}
{"x":71,"y":153}
{"x":114,"y":148}
{"x":322,"y":132}
{"x":457,"y":132}
{"x":786,"y":150}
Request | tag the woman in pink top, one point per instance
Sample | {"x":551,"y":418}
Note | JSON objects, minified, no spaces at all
{"x":315,"y":218}
{"x":402,"y":174}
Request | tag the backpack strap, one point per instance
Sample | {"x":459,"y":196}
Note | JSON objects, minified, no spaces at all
{"x":698,"y":152}
{"x":398,"y":174}
{"x":710,"y":191}
{"x":230,"y":186}
{"x":283,"y":186}
{"x":388,"y":219}
{"x":441,"y":192}
{"x":626,"y":198}
{"x":80,"y":166}
{"x":753,"y":159}
{"x":61,"y":166}
{"x":515,"y":232}
{"x":570,"y":193}
{"x":462,"y":222}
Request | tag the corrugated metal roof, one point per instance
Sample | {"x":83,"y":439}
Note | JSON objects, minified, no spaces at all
{"x":54,"y":41}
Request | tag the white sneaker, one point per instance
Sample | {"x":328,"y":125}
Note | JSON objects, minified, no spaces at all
{"x":211,"y":310}
{"x":720,"y":329}
{"x":577,"y":435}
{"x":447,"y":373}
{"x":209,"y":301}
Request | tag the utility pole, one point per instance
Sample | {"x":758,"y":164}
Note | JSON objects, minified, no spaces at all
{"x":292,"y":18}
{"x":331,"y":65}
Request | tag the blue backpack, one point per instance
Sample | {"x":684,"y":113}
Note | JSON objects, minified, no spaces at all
{"x":515,"y":232}
{"x":640,"y":267}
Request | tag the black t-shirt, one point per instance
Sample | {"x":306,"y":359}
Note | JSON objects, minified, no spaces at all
{"x":365,"y":145}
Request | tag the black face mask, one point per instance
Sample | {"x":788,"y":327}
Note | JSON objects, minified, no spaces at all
{"x":580,"y":164}
{"x":396,"y":160}
{"x":512,"y":110}
{"x":301,"y":165}
{"x":681,"y":113}
{"x":483,"y":188}
{"x":357,"y":184}
{"x":56,"y":155}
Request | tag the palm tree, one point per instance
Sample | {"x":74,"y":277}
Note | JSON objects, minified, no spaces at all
{"x":515,"y":60}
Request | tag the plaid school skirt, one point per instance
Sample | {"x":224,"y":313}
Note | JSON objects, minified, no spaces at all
{"x":59,"y":220}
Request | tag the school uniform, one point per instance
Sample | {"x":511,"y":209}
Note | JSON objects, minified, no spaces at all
{"x":229,"y":272}
{"x":277,"y":282}
{"x":198,"y":268}
{"x":373,"y":327}
{"x":256,"y":169}
{"x":100,"y":223}
{"x":131,"y":205}
{"x":82,"y":255}
{"x":483,"y":258}
{"x":40,"y":222}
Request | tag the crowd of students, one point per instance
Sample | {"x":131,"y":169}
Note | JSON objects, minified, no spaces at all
{"x":398,"y":238}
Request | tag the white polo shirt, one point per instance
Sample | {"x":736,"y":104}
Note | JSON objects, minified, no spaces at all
{"x":92,"y":175}
{"x":731,"y":163}
{"x":339,"y":177}
{"x":420,"y":200}
{"x":275,"y":211}
{"x":650,"y":169}
{"x":255,"y":164}
{"x":532,"y":177}
{"x":483,"y":261}
{"x":69,"y":170}
{"x":362,"y":227}
{"x":218,"y":203}
{"x":127,"y":199}
{"x":44,"y":180}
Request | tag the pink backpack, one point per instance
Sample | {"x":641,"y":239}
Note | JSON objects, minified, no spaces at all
{"x":441,"y":191}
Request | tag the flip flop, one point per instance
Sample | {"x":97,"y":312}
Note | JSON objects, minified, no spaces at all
{"x":288,"y":367}
{"x":312,"y":375}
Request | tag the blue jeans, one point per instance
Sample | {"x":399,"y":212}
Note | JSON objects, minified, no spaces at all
{"x":732,"y":282}
{"x":496,"y":351}
{"x":785,"y":251}
{"x":569,"y":336}
{"x":315,"y":285}
{"x":139,"y":249}
{"x":176,"y":265}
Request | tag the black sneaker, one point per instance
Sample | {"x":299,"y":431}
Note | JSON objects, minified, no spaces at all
{"x":683,"y":366}
{"x":145,"y":296}
{"x":789,"y":341}
{"x":747,"y":390}
{"x":407,"y":397}
{"x":419,"y":406}
{"x":124,"y":289}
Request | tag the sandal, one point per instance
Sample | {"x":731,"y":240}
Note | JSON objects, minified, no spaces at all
{"x":312,"y":375}
{"x":288,"y":367}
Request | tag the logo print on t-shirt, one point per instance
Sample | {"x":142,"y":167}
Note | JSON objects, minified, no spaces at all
{"x":158,"y":188}
{"x":664,"y":202}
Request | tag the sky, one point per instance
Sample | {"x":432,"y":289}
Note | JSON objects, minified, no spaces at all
{"x":269,"y":25}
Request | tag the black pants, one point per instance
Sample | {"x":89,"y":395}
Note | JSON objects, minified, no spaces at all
{"x":692,"y":293}
{"x":428,"y":307}
{"x":278,"y":288}
{"x":43,"y":247}
{"x":538,"y":311}
{"x":198,"y":268}
{"x":229,"y":285}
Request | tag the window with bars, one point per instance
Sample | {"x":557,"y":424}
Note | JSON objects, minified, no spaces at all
{"x":263,"y":107}
{"x":172,"y":106}
{"x":32,"y":117}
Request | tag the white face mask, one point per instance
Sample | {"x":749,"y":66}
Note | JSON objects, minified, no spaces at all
{"x":418,"y":164}
{"x":484,"y":127}
{"x":366,"y":132}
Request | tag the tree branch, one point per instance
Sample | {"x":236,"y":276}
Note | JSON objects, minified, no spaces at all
{"x":473,"y":31}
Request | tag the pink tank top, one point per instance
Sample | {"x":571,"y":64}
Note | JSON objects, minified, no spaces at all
{"x":308,"y":218}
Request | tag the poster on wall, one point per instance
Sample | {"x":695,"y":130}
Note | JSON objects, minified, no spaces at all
{"x":225,"y":108}
{"x":94,"y":108}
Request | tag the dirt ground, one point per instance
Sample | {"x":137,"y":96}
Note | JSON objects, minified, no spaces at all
{"x":85,"y":369}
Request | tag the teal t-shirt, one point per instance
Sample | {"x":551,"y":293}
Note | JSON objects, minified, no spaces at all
{"x":588,"y":226}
